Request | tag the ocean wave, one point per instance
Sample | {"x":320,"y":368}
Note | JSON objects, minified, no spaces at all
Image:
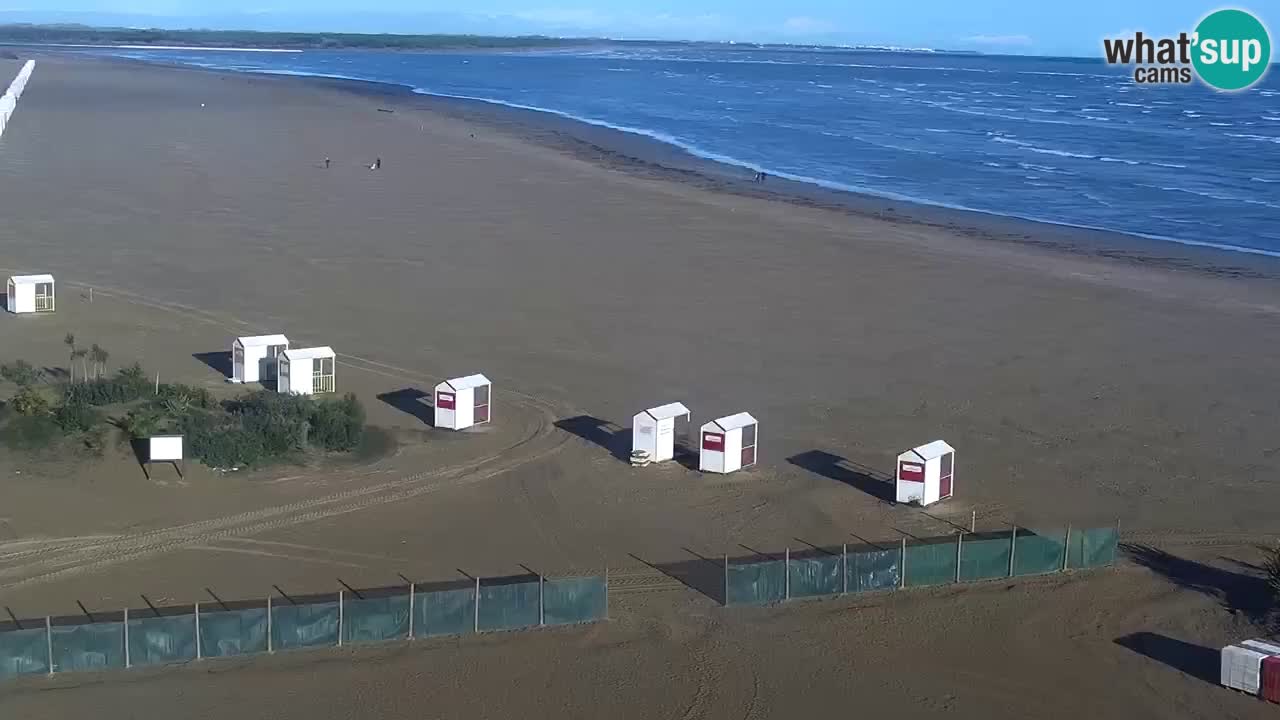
{"x":1043,"y":150}
{"x":1218,"y":196}
{"x":1128,"y":104}
{"x":1221,"y":124}
{"x":1043,"y":110}
{"x":1065,"y":74}
{"x":1096,"y":117}
{"x":1169,"y":165}
{"x":1252,"y":136}
{"x":1119,"y":160}
{"x":1268,"y":117}
{"x":992,"y":164}
{"x":1265,"y":180}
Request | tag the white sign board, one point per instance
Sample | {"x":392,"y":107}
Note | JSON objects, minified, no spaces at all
{"x":166,"y":448}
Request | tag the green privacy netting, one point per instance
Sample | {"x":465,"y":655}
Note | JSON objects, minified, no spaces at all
{"x":95,"y":646}
{"x":24,"y":652}
{"x":444,"y":612}
{"x":984,"y":557}
{"x":756,"y":583}
{"x":1035,"y":554}
{"x":574,"y":600}
{"x":233,"y":632}
{"x":375,"y":619}
{"x":930,"y":564}
{"x":812,"y":576}
{"x":1092,"y":548}
{"x":160,"y":640}
{"x":508,"y":606}
{"x":874,"y":570}
{"x":299,"y":626}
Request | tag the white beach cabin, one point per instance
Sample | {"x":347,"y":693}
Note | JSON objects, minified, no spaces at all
{"x":654,"y":430}
{"x":306,"y":371}
{"x":30,"y":294}
{"x":728,"y":444}
{"x":254,"y":358}
{"x":926,"y":474}
{"x":462,"y":402}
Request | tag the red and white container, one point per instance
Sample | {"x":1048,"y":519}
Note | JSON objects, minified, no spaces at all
{"x":728,"y":444}
{"x":463,"y":402}
{"x":926,"y":474}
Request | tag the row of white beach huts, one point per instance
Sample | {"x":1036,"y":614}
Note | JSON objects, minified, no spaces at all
{"x":925,"y":474}
{"x":9,"y":101}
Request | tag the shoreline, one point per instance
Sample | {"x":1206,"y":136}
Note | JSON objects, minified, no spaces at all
{"x":640,"y":154}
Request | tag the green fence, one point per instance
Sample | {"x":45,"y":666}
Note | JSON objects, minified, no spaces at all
{"x":967,"y":557}
{"x":228,"y":633}
{"x":444,"y":612}
{"x":24,"y":652}
{"x":755,"y":583}
{"x":161,"y":640}
{"x":164,"y":636}
{"x":567,"y":601}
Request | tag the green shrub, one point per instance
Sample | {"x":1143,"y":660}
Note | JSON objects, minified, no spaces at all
{"x":127,"y":386}
{"x":220,"y":442}
{"x":20,"y":373}
{"x":338,"y":425}
{"x":75,"y":417}
{"x":29,"y":401}
{"x":30,"y":432}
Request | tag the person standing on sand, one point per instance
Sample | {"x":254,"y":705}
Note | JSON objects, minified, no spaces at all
{"x":326,"y":163}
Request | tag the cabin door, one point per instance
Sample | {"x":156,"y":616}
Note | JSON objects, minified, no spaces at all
{"x":237,"y":362}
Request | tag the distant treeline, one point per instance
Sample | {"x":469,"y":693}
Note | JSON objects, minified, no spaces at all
{"x":85,"y":35}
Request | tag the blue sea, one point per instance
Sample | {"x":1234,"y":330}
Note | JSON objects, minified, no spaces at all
{"x":1062,"y":140}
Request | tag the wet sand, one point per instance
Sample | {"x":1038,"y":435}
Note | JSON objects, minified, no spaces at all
{"x":1119,"y":382}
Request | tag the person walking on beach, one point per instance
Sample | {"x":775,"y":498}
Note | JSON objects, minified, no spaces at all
{"x":326,"y":163}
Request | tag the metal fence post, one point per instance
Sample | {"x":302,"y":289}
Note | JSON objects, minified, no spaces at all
{"x":726,"y":579}
{"x":199,"y":650}
{"x":542,"y":606}
{"x":959,"y":545}
{"x":844,"y":568}
{"x":48,"y":639}
{"x":476,"y":620}
{"x":127,"y":664}
{"x":410,"y":611}
{"x":340,"y":613}
{"x":1013,"y":548}
{"x":270,"y":644}
{"x":1066,"y":550}
{"x":902,"y":565}
{"x":786,"y":580}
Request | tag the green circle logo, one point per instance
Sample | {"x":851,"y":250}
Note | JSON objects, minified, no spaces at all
{"x":1232,"y":49}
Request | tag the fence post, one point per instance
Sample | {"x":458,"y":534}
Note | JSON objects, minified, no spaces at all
{"x":270,"y":644}
{"x":127,"y":664}
{"x":199,"y":650}
{"x":410,"y":611}
{"x":1066,"y":551}
{"x":542,"y":607}
{"x":606,"y":592}
{"x":726,"y":579}
{"x":902,"y":565}
{"x":959,"y":544}
{"x":1013,"y":548}
{"x":475,"y":627}
{"x":844,"y":568}
{"x":786,"y":580}
{"x":48,"y":639}
{"x":340,"y":613}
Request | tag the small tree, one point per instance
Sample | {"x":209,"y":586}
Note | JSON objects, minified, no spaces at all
{"x":70,"y":342}
{"x":20,"y":373}
{"x":98,"y":355}
{"x":82,"y":353}
{"x":28,"y":401}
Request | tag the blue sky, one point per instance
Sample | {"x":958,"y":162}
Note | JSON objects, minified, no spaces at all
{"x":1015,"y":26}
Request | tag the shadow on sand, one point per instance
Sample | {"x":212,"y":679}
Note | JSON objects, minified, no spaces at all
{"x":219,"y":361}
{"x":411,"y":402}
{"x":699,"y":573}
{"x":1237,"y":592}
{"x":870,"y":481}
{"x":616,"y":440}
{"x":1194,"y":660}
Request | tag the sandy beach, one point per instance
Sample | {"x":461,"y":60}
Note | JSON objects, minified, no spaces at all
{"x":1084,"y":378}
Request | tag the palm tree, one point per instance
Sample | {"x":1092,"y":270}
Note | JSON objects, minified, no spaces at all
{"x":70,"y":342}
{"x":99,"y":356}
{"x":82,"y":353}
